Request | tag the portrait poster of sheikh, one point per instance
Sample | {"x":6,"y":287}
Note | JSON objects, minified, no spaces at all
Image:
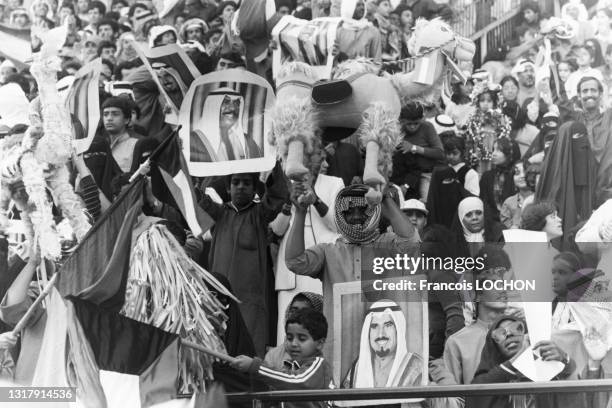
{"x":172,"y":70}
{"x":224,"y":125}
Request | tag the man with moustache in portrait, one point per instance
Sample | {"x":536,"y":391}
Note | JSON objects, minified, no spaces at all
{"x":384,"y":360}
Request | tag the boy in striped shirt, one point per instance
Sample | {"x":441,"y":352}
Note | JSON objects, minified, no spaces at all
{"x":305,"y":333}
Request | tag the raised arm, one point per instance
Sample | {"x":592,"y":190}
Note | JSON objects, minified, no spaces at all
{"x":401,"y":226}
{"x":276,"y":194}
{"x":298,"y":259}
{"x":295,"y":241}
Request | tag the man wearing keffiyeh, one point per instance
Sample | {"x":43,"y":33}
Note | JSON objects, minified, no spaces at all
{"x":171,"y":81}
{"x":384,"y":360}
{"x":353,"y":253}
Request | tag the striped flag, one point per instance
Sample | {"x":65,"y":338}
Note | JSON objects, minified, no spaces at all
{"x":15,"y":45}
{"x":110,"y":359}
{"x":174,"y":171}
{"x":306,"y":41}
{"x":83,"y":103}
{"x":164,"y":7}
{"x":97,"y":269}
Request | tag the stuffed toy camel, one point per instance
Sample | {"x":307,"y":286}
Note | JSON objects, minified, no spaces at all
{"x":36,"y":161}
{"x":357,"y":97}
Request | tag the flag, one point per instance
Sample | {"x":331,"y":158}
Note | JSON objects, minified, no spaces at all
{"x":164,"y":7}
{"x":138,"y":363}
{"x":173,"y":169}
{"x":83,"y":103}
{"x":97,"y":270}
{"x":15,"y":45}
{"x":111,"y":360}
{"x":306,"y":41}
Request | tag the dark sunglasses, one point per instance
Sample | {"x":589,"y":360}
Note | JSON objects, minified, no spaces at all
{"x":502,"y":333}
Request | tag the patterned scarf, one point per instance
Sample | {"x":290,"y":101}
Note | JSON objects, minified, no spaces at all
{"x":354,"y":196}
{"x":316,"y":301}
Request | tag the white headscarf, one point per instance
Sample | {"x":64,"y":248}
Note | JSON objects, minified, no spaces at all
{"x":50,"y":12}
{"x":7,"y":63}
{"x":162,"y":67}
{"x":209,"y":123}
{"x":192,"y":23}
{"x":364,"y":373}
{"x":347,"y":9}
{"x":158,"y":31}
{"x":465,"y":206}
{"x":521,"y":65}
{"x":583,"y":14}
{"x":14,"y":105}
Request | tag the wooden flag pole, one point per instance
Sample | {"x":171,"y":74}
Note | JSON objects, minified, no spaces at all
{"x":23,"y":321}
{"x":211,"y":352}
{"x":146,"y":166}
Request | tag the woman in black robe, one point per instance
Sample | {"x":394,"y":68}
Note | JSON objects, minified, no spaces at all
{"x":543,"y":140}
{"x":569,"y":175}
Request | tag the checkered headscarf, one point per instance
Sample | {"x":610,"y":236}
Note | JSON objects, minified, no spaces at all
{"x":354,"y":196}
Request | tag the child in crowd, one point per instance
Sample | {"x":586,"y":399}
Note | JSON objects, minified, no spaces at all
{"x":497,"y":184}
{"x":240,"y":243}
{"x":565,"y":68}
{"x":275,"y":357}
{"x":306,"y":331}
{"x":510,"y":213}
{"x":485,"y":126}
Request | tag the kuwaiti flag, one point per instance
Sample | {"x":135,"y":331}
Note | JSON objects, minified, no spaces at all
{"x":173,"y":168}
{"x":113,"y":361}
{"x":83,"y":102}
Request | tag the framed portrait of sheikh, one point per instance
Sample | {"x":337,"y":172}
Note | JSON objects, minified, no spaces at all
{"x":224,"y":126}
{"x":389,"y":326}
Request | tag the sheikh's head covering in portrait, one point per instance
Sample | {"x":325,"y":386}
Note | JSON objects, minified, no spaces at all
{"x":163,"y":68}
{"x":364,"y":373}
{"x":210,"y":123}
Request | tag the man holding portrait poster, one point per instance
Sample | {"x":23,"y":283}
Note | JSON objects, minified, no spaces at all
{"x":351,"y":257}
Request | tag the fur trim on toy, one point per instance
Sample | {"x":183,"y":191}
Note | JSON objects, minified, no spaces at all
{"x":40,"y":159}
{"x":380,"y":125}
{"x":293,"y":132}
